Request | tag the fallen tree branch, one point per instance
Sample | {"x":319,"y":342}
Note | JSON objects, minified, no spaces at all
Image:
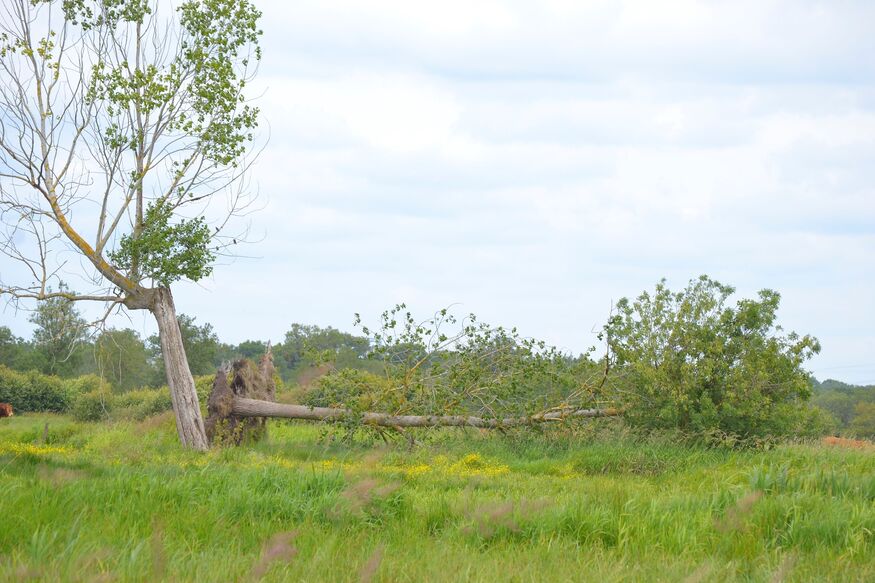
{"x":243,"y":407}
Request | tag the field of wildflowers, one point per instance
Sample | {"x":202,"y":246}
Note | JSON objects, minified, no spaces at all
{"x":122,"y":502}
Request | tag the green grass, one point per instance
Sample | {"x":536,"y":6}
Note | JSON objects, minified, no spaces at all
{"x":123,"y":502}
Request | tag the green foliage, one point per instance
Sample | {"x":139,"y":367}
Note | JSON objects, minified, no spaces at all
{"x":140,"y":404}
{"x":863,"y":424}
{"x":813,"y":421}
{"x":847,"y":403}
{"x":192,"y":87}
{"x":838,"y":403}
{"x":218,"y":51}
{"x":121,"y":357}
{"x":442,"y":365}
{"x":689,"y":360}
{"x":306,"y":345}
{"x":251,"y":349}
{"x":32,"y":391}
{"x":221,"y":35}
{"x":92,"y":406}
{"x":201,"y":348}
{"x":86,"y":384}
{"x":59,"y":332}
{"x":203,"y":384}
{"x":100,"y":405}
{"x":167,"y":252}
{"x":12,"y":349}
{"x":357,"y":390}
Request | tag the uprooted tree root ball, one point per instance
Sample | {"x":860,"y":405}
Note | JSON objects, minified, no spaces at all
{"x":247,"y":380}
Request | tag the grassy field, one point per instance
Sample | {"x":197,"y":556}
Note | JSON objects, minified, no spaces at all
{"x":122,"y":502}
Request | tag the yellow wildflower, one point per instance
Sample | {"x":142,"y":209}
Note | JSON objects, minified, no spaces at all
{"x":31,"y":449}
{"x":474,"y":465}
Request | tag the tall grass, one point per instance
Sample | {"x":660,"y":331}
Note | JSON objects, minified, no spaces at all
{"x":121,"y":501}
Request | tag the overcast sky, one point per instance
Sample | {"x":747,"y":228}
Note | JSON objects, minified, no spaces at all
{"x":535,"y":161}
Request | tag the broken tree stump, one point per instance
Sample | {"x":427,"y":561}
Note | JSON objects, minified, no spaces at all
{"x":244,"y":380}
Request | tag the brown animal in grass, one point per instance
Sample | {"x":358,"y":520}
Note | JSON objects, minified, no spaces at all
{"x":5,"y":410}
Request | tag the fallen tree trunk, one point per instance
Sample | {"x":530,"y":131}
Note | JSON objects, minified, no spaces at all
{"x":243,"y":407}
{"x":240,"y":404}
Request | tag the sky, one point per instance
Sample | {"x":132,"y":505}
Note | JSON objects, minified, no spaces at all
{"x":533,"y":162}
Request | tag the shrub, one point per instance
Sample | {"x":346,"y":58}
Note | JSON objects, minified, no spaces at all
{"x":86,"y":384}
{"x":813,"y":421}
{"x":688,"y":360}
{"x":142,"y":403}
{"x":93,"y":406}
{"x":203,"y":384}
{"x":33,"y":391}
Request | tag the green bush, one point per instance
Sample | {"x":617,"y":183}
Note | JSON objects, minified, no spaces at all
{"x":86,"y":384}
{"x":142,"y":403}
{"x":101,"y":405}
{"x":93,"y":406}
{"x":203,"y":384}
{"x":690,"y":361}
{"x":814,"y":421}
{"x":33,"y":391}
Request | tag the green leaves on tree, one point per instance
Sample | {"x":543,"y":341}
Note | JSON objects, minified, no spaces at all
{"x":167,"y":252}
{"x":691,"y":361}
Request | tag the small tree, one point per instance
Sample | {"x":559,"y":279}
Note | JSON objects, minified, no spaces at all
{"x":689,"y":360}
{"x":60,"y":329}
{"x":120,"y":356}
{"x":121,"y":121}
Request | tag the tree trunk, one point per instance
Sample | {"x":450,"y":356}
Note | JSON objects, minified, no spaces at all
{"x":189,"y":423}
{"x":243,"y":407}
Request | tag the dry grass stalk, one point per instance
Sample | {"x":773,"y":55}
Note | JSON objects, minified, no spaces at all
{"x":159,"y":557}
{"x":59,"y":476}
{"x":278,"y":548}
{"x":734,"y":518}
{"x":783,"y":571}
{"x":372,"y":565}
{"x":699,"y":575}
{"x":359,"y":496}
{"x":490,"y":518}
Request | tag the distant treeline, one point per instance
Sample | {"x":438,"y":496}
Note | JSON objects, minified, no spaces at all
{"x":63,"y":345}
{"x":128,"y":362}
{"x":852,"y":405}
{"x":678,"y":360}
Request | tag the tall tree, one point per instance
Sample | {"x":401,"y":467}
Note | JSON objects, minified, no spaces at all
{"x":60,"y":330}
{"x":124,"y":134}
